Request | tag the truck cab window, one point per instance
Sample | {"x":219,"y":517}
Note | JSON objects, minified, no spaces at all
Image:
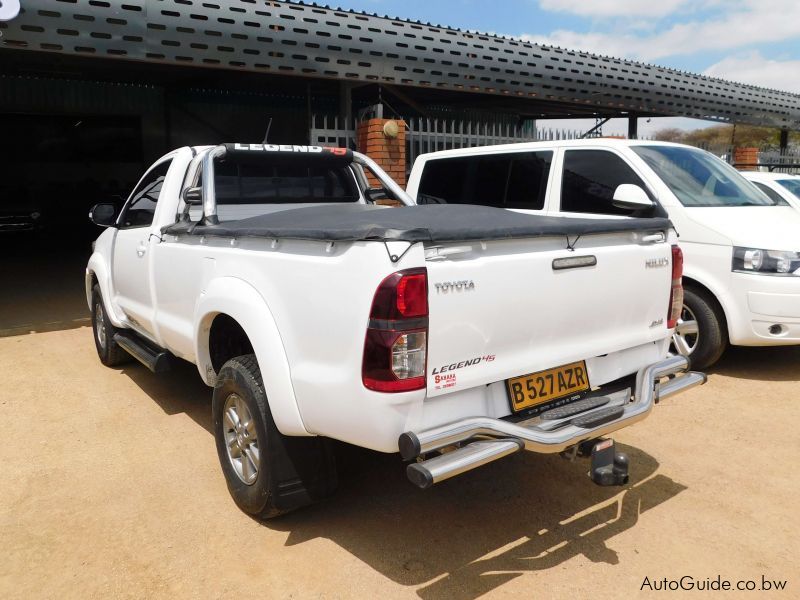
{"x":141,"y":207}
{"x":257,"y":182}
{"x":590,"y":179}
{"x":508,"y":180}
{"x":247,"y":188}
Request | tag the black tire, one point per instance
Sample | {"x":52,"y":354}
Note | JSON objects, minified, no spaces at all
{"x":712,"y":328}
{"x":292,"y":471}
{"x":110,"y":353}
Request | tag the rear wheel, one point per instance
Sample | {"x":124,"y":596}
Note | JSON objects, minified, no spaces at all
{"x":701,"y":333}
{"x":268,"y":474}
{"x":110,"y":353}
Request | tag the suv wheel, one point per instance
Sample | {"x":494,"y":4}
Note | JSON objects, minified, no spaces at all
{"x":701,"y":334}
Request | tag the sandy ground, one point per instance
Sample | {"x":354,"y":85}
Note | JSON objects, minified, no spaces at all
{"x":110,"y":487}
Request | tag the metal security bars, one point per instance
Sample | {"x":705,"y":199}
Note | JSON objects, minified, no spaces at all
{"x":332,"y":131}
{"x":430,"y":135}
{"x":313,"y":41}
{"x":425,"y":135}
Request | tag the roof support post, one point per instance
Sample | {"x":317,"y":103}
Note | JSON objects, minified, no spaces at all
{"x":633,"y":127}
{"x":345,"y":104}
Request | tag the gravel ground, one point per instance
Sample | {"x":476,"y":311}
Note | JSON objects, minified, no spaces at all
{"x":110,"y":487}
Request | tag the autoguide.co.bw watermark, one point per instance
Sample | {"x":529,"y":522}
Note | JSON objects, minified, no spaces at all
{"x":708,"y":584}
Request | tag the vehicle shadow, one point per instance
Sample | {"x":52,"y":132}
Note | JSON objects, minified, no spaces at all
{"x":465,"y":536}
{"x":179,"y":391}
{"x":768,"y":363}
{"x":469,"y":535}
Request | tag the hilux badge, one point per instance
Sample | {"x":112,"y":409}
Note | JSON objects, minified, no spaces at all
{"x":656,"y":263}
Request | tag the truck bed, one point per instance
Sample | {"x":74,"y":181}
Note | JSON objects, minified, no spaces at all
{"x":425,"y":223}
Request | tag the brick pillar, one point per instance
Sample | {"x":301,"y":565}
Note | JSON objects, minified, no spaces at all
{"x":745,"y":159}
{"x":389,"y":153}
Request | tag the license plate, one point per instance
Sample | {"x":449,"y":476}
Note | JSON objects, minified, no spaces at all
{"x":546,"y":386}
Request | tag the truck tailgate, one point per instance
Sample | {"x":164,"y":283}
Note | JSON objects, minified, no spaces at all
{"x":502,"y":308}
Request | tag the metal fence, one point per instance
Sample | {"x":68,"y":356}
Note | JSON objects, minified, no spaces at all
{"x":769,"y":158}
{"x":332,"y":131}
{"x":787,"y":161}
{"x":431,"y":135}
{"x":425,"y":135}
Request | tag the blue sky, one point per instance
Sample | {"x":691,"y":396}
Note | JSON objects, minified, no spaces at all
{"x":751,"y":41}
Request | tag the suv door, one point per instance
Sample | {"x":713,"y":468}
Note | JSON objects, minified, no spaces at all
{"x":131,"y":264}
{"x":589,"y":178}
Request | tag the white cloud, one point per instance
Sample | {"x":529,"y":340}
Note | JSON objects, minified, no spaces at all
{"x":740,"y":25}
{"x":613,"y":8}
{"x":755,"y":69}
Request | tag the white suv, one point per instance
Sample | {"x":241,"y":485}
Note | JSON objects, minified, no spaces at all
{"x":780,"y":187}
{"x":742,"y":248}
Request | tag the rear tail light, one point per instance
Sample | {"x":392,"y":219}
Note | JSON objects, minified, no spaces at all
{"x":676,"y":294}
{"x":396,"y":345}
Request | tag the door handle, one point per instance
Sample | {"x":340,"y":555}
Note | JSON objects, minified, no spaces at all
{"x":141,"y":249}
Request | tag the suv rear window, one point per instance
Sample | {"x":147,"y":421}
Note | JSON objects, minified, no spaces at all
{"x":509,"y":180}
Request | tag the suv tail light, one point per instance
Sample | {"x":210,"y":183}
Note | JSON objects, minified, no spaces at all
{"x":396,"y":345}
{"x":676,"y":295}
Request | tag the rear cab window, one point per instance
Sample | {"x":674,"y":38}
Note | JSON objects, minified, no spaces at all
{"x":590,"y":178}
{"x":508,"y":180}
{"x":247,"y":188}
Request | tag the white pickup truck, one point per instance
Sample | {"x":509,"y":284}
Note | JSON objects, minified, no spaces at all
{"x":453,"y":334}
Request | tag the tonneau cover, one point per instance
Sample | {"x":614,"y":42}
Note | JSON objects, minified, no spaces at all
{"x":425,"y":223}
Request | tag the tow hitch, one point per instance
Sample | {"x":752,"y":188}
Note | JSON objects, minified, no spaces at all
{"x":608,"y":467}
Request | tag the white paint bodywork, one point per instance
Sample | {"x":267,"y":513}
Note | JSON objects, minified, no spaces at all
{"x":305,"y":307}
{"x":751,"y":303}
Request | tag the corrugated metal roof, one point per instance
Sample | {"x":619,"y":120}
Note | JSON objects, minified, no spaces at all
{"x":291,"y":38}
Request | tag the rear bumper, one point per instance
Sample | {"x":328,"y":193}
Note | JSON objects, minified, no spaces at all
{"x":490,"y":439}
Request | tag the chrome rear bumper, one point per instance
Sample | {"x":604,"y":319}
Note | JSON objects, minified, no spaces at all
{"x":489,"y":439}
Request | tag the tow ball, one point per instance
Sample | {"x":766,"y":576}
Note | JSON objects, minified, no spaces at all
{"x":608,"y":467}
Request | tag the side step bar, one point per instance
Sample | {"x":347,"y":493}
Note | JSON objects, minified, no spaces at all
{"x":488,"y":439}
{"x":157,"y":361}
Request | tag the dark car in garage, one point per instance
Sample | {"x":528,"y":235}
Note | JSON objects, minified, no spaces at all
{"x":19,"y":212}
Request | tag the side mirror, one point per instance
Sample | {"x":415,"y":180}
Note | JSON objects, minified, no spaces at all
{"x":631,"y":197}
{"x":193,"y":195}
{"x":374,"y":194}
{"x":103,"y":214}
